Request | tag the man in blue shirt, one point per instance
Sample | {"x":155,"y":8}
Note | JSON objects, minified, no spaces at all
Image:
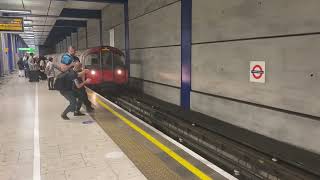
{"x":67,"y":60}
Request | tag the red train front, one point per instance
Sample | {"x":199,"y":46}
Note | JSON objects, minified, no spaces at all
{"x":106,"y":66}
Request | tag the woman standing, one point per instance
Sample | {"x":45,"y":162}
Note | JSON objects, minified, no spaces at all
{"x":50,"y":73}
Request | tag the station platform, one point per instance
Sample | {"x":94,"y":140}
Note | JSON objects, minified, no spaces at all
{"x":35,"y":143}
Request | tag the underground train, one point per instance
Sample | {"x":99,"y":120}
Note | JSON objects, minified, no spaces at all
{"x":106,"y":66}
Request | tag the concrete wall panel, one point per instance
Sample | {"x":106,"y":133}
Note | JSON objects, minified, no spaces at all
{"x":112,"y":15}
{"x":82,"y":42}
{"x":93,"y":31}
{"x":119,"y":37}
{"x":74,"y":39}
{"x":158,"y":64}
{"x":141,"y":7}
{"x":215,"y":20}
{"x":68,"y":39}
{"x":164,"y":93}
{"x":64,"y":45}
{"x":292,"y":78}
{"x":159,"y":28}
{"x":302,"y":132}
{"x":105,"y":38}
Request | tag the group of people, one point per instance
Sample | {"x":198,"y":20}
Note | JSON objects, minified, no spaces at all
{"x":32,"y":67}
{"x":73,"y":82}
{"x":72,"y":78}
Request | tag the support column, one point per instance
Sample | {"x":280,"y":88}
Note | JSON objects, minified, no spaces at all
{"x":127,"y":38}
{"x":186,"y":43}
{"x":10,"y":53}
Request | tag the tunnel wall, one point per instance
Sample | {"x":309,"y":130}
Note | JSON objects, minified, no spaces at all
{"x":154,"y":28}
{"x":64,"y":45}
{"x":113,"y":18}
{"x":58,"y":47}
{"x":227,"y":35}
{"x":74,"y":40}
{"x":68,"y":39}
{"x":93,"y":33}
{"x":82,"y":38}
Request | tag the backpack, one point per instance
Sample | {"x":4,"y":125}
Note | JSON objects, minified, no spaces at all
{"x":60,"y":82}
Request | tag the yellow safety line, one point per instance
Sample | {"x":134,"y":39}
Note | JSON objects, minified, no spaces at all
{"x":157,"y":143}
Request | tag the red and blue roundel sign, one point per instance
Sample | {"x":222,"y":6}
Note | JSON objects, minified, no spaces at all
{"x":257,"y":71}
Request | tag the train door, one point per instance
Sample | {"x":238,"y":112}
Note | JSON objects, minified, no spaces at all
{"x":106,"y":61}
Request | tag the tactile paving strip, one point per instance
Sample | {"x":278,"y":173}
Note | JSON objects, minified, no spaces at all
{"x":146,"y":161}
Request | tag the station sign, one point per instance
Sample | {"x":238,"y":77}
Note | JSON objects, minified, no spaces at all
{"x":26,"y":49}
{"x":258,"y":71}
{"x":13,"y":24}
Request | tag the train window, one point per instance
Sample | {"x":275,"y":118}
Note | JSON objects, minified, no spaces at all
{"x":92,"y":59}
{"x":107,"y":59}
{"x":118,"y":60}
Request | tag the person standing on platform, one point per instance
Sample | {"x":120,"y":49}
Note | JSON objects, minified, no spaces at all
{"x":20,"y":67}
{"x":50,"y":73}
{"x":26,"y":65}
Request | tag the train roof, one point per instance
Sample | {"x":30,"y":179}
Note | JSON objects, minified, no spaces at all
{"x":109,"y":48}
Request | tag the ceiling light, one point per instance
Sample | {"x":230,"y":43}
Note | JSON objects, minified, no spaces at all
{"x":15,"y":11}
{"x":27,"y":36}
{"x":27,"y":21}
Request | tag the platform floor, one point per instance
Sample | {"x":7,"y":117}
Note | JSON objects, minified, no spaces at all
{"x":69,"y":150}
{"x":35,"y":143}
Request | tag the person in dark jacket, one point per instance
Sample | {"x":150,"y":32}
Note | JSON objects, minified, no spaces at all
{"x":20,"y":67}
{"x":26,"y":65}
{"x":70,"y":79}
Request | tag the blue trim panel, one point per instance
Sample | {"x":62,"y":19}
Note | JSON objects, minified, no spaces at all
{"x":186,"y":41}
{"x":127,"y":38}
{"x":10,"y":55}
{"x":1,"y":54}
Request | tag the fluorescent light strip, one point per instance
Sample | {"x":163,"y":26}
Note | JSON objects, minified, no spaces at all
{"x":15,"y":11}
{"x":27,"y":21}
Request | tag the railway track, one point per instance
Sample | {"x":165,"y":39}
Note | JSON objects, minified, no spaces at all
{"x":242,"y":160}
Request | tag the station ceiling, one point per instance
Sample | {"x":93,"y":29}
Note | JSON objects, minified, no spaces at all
{"x":54,"y":18}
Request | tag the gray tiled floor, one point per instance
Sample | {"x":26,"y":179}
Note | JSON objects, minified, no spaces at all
{"x":70,"y":150}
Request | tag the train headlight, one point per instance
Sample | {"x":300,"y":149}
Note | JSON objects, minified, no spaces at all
{"x":119,"y":72}
{"x":93,"y":72}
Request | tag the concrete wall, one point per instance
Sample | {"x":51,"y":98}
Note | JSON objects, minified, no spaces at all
{"x":154,"y":24}
{"x":93,"y":32}
{"x":82,"y":38}
{"x":60,"y":47}
{"x":113,"y":18}
{"x":74,"y":39}
{"x":5,"y":65}
{"x":64,"y":45}
{"x":68,"y":40}
{"x":1,"y":54}
{"x":292,"y":78}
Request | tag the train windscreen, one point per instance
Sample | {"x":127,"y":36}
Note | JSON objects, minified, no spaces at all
{"x":92,"y":60}
{"x":118,"y":60}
